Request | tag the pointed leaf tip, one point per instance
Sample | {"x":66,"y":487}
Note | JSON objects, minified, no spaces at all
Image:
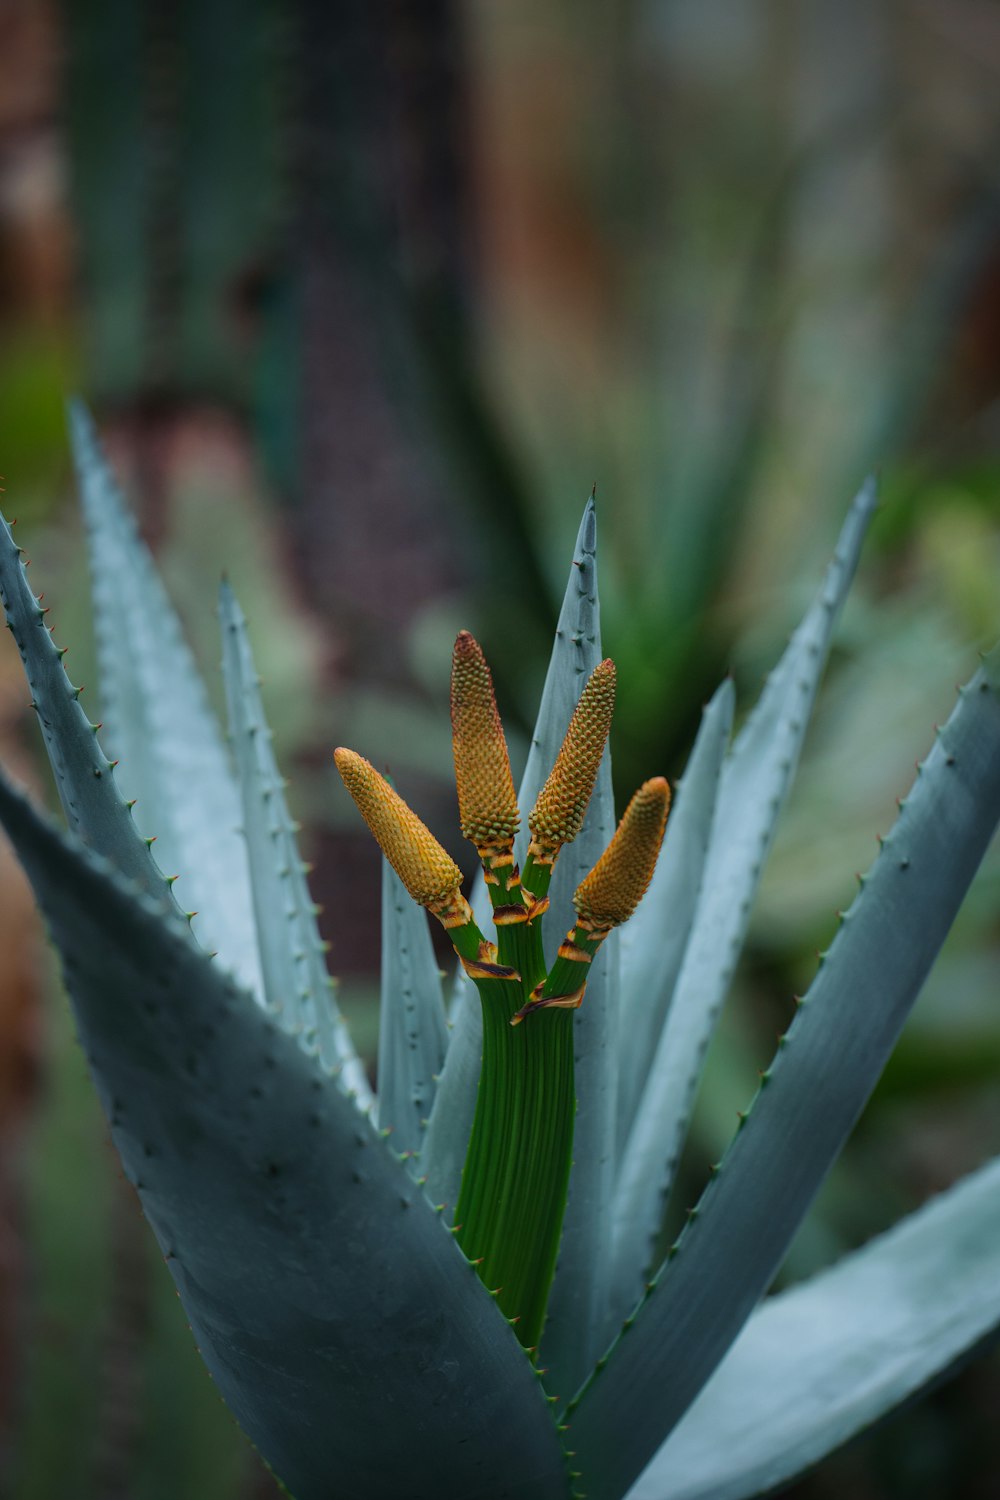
{"x":868,"y":493}
{"x":78,"y":417}
{"x":588,"y":530}
{"x":160,"y":724}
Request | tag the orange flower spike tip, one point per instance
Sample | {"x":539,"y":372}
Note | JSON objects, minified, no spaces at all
{"x":609,"y":895}
{"x":559,"y":812}
{"x":429,"y":873}
{"x":487,"y":802}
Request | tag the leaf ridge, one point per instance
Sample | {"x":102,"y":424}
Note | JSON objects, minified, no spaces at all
{"x":232,"y":1135}
{"x":653,"y":941}
{"x":818,"y":1363}
{"x":297,"y":986}
{"x":413,"y":1030}
{"x":160,"y":726}
{"x":754,"y":783}
{"x":94,"y":806}
{"x":809,"y":1098}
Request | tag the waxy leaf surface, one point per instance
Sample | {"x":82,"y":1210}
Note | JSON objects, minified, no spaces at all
{"x":413,"y":1031}
{"x":158,"y":722}
{"x":822,"y":1075}
{"x":755,"y":781}
{"x":653,"y":941}
{"x":817,"y":1364}
{"x":341,"y":1323}
{"x":297,"y":986}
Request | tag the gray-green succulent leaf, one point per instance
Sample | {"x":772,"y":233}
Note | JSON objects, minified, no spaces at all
{"x":819,"y":1363}
{"x":340,"y":1321}
{"x":308,"y":1225}
{"x":413,"y":1029}
{"x":654,"y":942}
{"x":157,"y":723}
{"x":754,"y":782}
{"x":810,"y":1097}
{"x":296,"y":984}
{"x":225,"y":834}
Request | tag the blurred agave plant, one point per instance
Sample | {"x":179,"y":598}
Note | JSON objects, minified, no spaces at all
{"x":372,"y":1339}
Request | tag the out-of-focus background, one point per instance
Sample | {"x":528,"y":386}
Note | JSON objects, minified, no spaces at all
{"x":365,"y":298}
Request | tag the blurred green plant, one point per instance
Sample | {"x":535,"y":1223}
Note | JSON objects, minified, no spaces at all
{"x":305,"y":1224}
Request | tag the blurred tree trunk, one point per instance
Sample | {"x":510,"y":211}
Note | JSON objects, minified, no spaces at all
{"x":377,"y":193}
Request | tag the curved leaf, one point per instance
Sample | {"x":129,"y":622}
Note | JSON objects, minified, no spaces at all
{"x":356,"y":1345}
{"x":413,"y":1031}
{"x":653,"y":947}
{"x":817,"y":1364}
{"x":159,"y":725}
{"x":823,"y":1073}
{"x":95,"y":809}
{"x":755,"y":781}
{"x":654,"y":939}
{"x":296,"y":984}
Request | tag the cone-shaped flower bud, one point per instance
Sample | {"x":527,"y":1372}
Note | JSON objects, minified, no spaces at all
{"x":487,"y":802}
{"x":611,"y":892}
{"x":429,"y":873}
{"x":558,"y":814}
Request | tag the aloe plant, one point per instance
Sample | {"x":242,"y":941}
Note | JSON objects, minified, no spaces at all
{"x":373,"y":1283}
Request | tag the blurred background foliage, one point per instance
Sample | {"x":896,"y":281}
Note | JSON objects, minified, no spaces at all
{"x":366,"y":297}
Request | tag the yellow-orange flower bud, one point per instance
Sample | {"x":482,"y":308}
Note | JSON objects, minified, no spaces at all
{"x":487,"y":802}
{"x":611,"y":892}
{"x":559,"y":812}
{"x":429,"y":873}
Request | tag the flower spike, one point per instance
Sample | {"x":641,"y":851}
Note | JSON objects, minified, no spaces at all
{"x":487,"y":802}
{"x":609,"y":895}
{"x":559,"y":812}
{"x":605,"y":898}
{"x":429,"y":873}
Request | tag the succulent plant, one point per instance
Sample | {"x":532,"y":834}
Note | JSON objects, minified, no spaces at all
{"x":338,"y":1255}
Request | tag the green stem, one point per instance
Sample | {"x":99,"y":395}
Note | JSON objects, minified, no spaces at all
{"x":536,"y":877}
{"x":514,"y":1185}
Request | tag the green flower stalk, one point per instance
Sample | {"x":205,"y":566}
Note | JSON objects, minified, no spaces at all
{"x":513,"y":1194}
{"x":335,"y":1247}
